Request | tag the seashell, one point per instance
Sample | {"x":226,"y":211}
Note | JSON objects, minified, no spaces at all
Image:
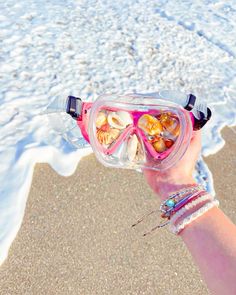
{"x":140,"y":153}
{"x":167,"y":135}
{"x":101,"y":119}
{"x":150,"y":125}
{"x":159,"y":145}
{"x":106,"y":137}
{"x":125,"y":117}
{"x":153,"y":138}
{"x":170,"y":123}
{"x":168,"y":143}
{"x":105,"y":127}
{"x":134,"y":149}
{"x":119,"y":119}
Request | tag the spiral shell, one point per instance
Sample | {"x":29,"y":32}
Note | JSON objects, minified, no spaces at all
{"x":119,"y":120}
{"x":106,"y":137}
{"x":150,"y":125}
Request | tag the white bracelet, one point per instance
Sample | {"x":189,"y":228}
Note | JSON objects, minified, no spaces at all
{"x":194,"y":216}
{"x":190,"y":205}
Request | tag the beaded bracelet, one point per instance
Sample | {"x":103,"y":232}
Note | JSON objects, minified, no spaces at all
{"x":192,"y":202}
{"x":177,"y":229}
{"x":175,"y":197}
{"x":178,"y":204}
{"x":172,"y":210}
{"x":186,"y":190}
{"x":174,"y":203}
{"x":179,"y":194}
{"x":170,"y":206}
{"x":197,"y":200}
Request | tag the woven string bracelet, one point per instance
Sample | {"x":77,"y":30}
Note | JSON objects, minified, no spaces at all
{"x":186,"y":221}
{"x":190,"y":205}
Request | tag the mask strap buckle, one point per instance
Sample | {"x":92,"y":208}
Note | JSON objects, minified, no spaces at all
{"x":74,"y":107}
{"x":200,"y":111}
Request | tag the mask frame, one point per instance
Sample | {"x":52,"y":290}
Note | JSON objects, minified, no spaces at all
{"x":192,"y":116}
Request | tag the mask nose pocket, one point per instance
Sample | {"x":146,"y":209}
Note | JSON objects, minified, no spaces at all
{"x":133,"y":150}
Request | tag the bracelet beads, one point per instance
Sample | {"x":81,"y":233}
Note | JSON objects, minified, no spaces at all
{"x":178,"y":200}
{"x":177,"y":210}
{"x":181,"y":202}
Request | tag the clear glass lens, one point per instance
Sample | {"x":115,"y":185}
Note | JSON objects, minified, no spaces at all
{"x":110,"y":125}
{"x":160,"y":130}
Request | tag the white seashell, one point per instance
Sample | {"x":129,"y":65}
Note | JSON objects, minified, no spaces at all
{"x":125,"y":117}
{"x":119,"y":119}
{"x":132,"y":147}
{"x":140,"y":157}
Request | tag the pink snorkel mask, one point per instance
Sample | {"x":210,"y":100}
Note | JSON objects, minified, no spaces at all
{"x":139,"y":130}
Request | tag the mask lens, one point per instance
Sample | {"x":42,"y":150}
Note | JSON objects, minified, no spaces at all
{"x":111,"y":125}
{"x":159,"y":131}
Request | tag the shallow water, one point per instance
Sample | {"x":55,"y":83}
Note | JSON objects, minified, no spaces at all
{"x":86,"y":48}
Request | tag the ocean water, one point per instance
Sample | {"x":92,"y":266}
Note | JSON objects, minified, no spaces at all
{"x":86,"y":48}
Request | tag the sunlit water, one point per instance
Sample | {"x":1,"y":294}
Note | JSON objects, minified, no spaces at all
{"x":86,"y":48}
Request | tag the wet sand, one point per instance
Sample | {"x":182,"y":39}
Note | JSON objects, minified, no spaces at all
{"x":76,"y":237}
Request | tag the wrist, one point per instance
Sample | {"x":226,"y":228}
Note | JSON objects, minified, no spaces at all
{"x":170,"y":185}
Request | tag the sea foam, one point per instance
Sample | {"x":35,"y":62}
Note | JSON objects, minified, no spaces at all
{"x":87,"y":48}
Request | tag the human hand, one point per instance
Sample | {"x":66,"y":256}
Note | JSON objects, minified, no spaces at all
{"x":178,"y":176}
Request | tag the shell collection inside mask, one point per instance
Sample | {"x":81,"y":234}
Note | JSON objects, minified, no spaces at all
{"x":110,"y":124}
{"x":161,"y":130}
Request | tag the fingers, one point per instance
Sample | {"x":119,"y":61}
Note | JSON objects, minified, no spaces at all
{"x":196,"y":140}
{"x":195,"y":146}
{"x":196,"y":137}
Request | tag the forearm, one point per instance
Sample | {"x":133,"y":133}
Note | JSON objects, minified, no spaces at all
{"x":211,"y":239}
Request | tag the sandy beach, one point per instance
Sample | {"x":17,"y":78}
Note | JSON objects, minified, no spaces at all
{"x":76,"y":237}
